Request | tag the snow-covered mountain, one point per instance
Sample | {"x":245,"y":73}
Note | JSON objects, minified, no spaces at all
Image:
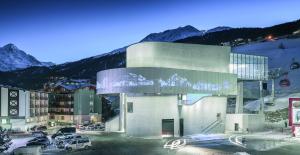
{"x":165,"y":36}
{"x":281,"y":53}
{"x":174,"y":34}
{"x":218,"y":29}
{"x":12,"y":58}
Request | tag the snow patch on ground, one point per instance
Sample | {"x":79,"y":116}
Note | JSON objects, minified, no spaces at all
{"x":280,"y":102}
{"x":205,"y":137}
{"x":241,"y":153}
{"x":278,"y":58}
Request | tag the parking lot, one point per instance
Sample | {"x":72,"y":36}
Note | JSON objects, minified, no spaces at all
{"x":118,"y":144}
{"x":105,"y":143}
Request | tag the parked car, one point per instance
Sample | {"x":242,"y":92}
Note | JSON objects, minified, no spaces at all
{"x":38,"y":138}
{"x":81,"y":127}
{"x":91,"y":127}
{"x":5,"y":140}
{"x":100,"y":126}
{"x":5,"y":146}
{"x":97,"y":126}
{"x":51,"y":124}
{"x":60,"y":141}
{"x":39,"y":133}
{"x":82,"y":143}
{"x":39,"y":141}
{"x":64,"y":130}
{"x":39,"y":128}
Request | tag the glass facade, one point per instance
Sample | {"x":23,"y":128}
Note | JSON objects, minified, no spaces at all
{"x":249,"y":67}
{"x":165,"y":81}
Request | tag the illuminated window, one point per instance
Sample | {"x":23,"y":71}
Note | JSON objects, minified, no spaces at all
{"x":3,"y":121}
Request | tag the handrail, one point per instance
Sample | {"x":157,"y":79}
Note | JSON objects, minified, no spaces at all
{"x":201,"y":98}
{"x":210,"y":126}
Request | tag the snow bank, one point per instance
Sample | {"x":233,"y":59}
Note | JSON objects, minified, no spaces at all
{"x":280,"y":102}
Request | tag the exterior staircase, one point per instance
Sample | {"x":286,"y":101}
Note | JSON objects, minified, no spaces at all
{"x":211,"y":126}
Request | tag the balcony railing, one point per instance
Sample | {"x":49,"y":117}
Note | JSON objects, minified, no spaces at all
{"x":57,"y":105}
{"x":62,"y":113}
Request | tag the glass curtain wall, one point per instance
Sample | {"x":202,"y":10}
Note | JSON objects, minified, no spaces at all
{"x":249,"y":67}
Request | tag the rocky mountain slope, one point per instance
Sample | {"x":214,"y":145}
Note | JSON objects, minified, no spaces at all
{"x":13,"y":58}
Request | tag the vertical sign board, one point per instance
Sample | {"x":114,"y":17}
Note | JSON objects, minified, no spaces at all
{"x":13,"y":103}
{"x":294,"y":116}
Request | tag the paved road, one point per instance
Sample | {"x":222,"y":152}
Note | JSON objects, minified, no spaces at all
{"x":118,"y":144}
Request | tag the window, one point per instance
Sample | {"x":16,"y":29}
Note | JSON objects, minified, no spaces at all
{"x":62,"y":117}
{"x":129,"y":107}
{"x":3,"y":121}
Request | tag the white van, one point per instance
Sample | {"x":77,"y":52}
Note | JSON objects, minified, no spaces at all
{"x":82,"y":143}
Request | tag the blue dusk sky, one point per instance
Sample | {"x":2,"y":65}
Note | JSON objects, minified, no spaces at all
{"x":69,"y":30}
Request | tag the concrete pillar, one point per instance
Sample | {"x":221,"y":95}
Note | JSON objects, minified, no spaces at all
{"x":239,"y":98}
{"x":261,"y":109}
{"x":122,"y":121}
{"x":273,"y":90}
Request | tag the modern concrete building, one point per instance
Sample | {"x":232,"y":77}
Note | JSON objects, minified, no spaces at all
{"x":22,"y":109}
{"x":175,"y":89}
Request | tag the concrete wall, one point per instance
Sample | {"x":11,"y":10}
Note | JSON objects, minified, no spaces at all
{"x":250,"y":122}
{"x":179,"y":56}
{"x":83,"y":101}
{"x":24,"y":103}
{"x":148,"y":112}
{"x":203,"y":113}
{"x":4,"y":102}
{"x":112,"y":125}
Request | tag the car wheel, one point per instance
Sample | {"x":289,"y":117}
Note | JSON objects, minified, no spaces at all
{"x":69,"y":148}
{"x":86,"y":147}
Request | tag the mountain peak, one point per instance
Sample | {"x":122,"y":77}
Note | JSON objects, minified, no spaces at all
{"x":174,"y":34}
{"x":13,"y":58}
{"x":219,"y":28}
{"x":188,"y":27}
{"x":10,"y":47}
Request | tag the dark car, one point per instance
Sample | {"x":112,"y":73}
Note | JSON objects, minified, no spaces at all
{"x":38,"y":138}
{"x":63,"y":131}
{"x":38,"y":128}
{"x":39,"y":141}
{"x":41,"y":128}
{"x":39,"y":133}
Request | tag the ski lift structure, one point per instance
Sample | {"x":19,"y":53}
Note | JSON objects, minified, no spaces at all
{"x":294,"y":65}
{"x":285,"y":82}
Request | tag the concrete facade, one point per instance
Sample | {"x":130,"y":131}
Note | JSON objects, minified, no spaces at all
{"x":76,"y":107}
{"x":151,"y":110}
{"x":179,"y":56}
{"x":20,"y":110}
{"x":244,"y":123}
{"x":210,"y":113}
{"x":156,"y":88}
